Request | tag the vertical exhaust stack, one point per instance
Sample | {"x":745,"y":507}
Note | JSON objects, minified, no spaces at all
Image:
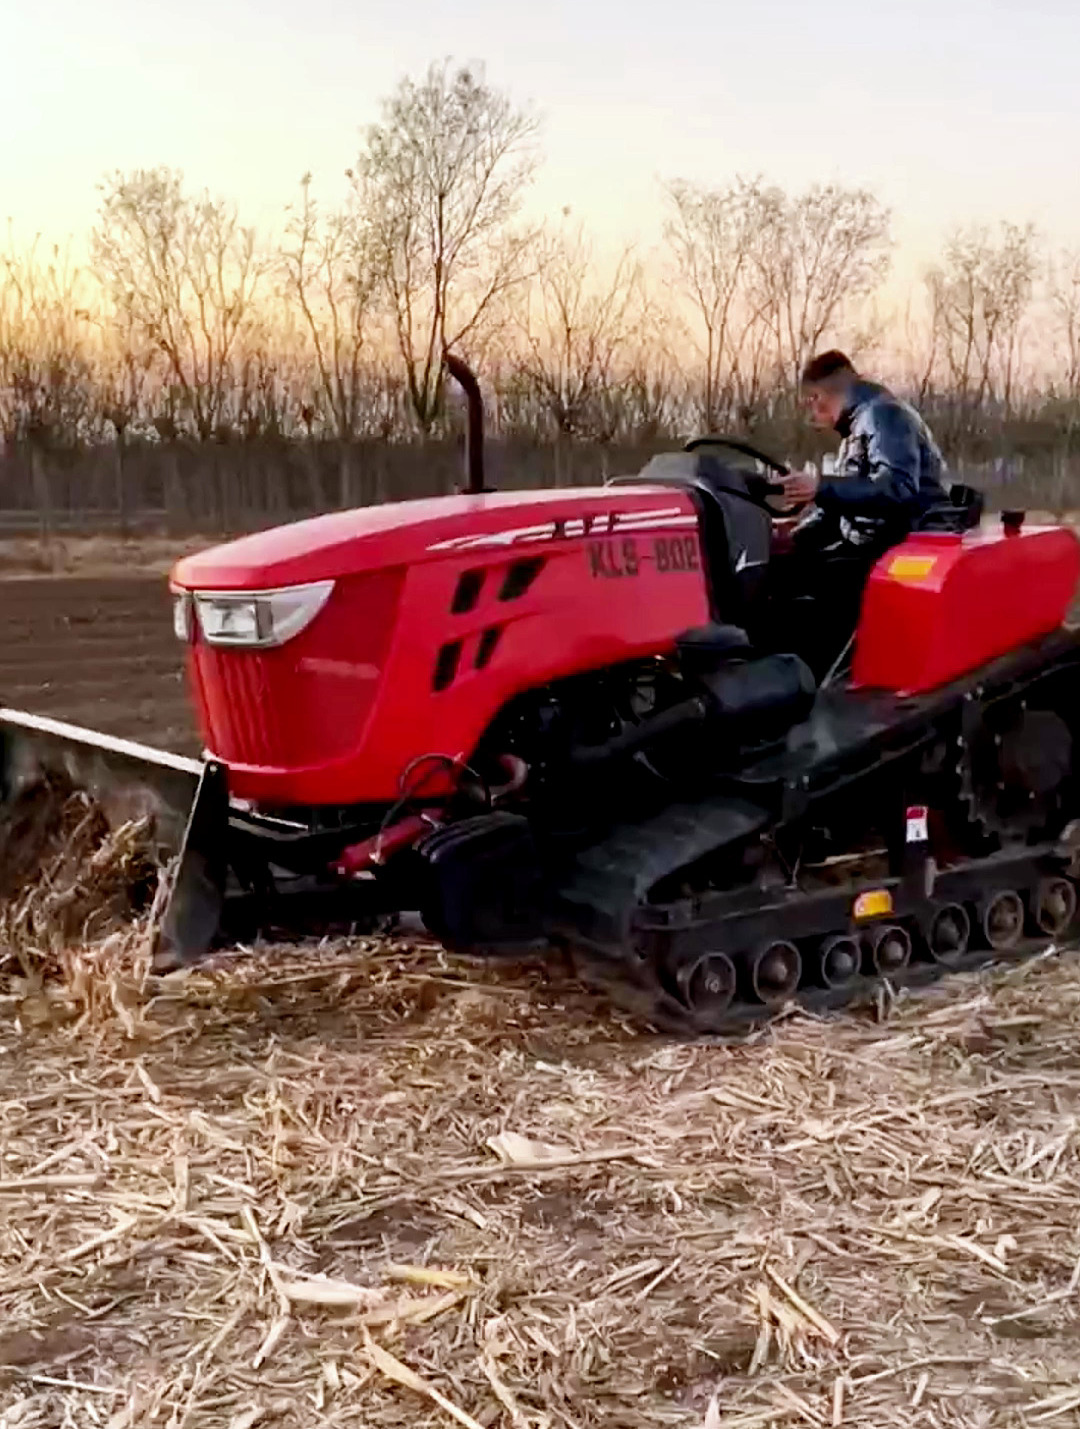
{"x":464,"y":376}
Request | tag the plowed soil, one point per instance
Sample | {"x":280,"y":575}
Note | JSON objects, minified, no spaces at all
{"x":97,"y":651}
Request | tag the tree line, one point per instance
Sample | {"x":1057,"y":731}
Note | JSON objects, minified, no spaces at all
{"x":189,"y":353}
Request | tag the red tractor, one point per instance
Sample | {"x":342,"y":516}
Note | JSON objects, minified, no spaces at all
{"x":537,"y":718}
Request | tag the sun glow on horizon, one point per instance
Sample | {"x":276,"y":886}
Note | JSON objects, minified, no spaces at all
{"x":951,"y":112}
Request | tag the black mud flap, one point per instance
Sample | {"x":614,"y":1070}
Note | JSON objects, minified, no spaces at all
{"x":196,"y":899}
{"x":484,"y":888}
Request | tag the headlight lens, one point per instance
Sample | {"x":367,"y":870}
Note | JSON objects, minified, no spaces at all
{"x":182,"y":615}
{"x":259,"y":618}
{"x":228,"y":622}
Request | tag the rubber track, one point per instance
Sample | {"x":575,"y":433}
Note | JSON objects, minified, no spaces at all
{"x":613,"y":878}
{"x":640,"y":993}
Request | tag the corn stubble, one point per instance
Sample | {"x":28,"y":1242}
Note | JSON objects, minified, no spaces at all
{"x":367,"y":1183}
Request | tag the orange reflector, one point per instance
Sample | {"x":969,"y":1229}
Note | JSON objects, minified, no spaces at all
{"x":911,"y":568}
{"x":874,"y":903}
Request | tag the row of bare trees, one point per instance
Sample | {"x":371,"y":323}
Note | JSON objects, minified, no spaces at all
{"x":188,"y":326}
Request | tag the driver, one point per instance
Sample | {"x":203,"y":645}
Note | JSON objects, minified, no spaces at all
{"x":889,"y":473}
{"x":889,"y":466}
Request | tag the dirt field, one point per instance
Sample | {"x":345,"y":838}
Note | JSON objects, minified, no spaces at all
{"x":98,"y":651}
{"x":368,"y":1185}
{"x":22,"y":556}
{"x":86,"y":636}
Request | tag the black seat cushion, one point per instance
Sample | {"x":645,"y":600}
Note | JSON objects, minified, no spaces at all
{"x":707,"y":647}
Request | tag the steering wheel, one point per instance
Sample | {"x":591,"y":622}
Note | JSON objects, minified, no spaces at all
{"x":765,"y":488}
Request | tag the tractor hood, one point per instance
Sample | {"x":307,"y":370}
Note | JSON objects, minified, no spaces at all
{"x":406,"y":532}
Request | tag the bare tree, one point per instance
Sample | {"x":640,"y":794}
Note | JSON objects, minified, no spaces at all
{"x":46,"y":346}
{"x":440,"y":181}
{"x":656,"y":396}
{"x":916,"y":334}
{"x":1011,"y":275}
{"x":47,"y":389}
{"x":817,"y":258}
{"x":1063,"y":295}
{"x":330,"y":274}
{"x":575,"y":325}
{"x":711,"y":234}
{"x":1063,"y":284}
{"x":980,"y":296}
{"x":184,"y":273}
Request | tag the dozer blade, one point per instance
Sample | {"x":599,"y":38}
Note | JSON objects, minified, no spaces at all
{"x":160,"y":784}
{"x":185,"y":801}
{"x":196,"y":900}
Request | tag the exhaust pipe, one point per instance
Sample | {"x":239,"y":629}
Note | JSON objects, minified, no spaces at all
{"x":464,"y":376}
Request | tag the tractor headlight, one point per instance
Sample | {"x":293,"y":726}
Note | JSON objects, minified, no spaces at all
{"x":228,"y":622}
{"x":182,"y":615}
{"x":259,"y":618}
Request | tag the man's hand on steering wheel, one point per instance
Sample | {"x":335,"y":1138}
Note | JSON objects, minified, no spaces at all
{"x":800,"y":487}
{"x":791,"y":494}
{"x":783,"y":492}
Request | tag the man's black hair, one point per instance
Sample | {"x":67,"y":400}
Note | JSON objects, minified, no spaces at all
{"x":826,"y":365}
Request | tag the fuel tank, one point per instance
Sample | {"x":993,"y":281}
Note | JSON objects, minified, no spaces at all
{"x":939,"y":605}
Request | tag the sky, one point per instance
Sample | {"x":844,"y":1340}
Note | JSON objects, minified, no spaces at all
{"x":953,"y":111}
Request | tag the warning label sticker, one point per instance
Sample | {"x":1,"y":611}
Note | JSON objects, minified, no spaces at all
{"x":911,"y":568}
{"x":918,"y":824}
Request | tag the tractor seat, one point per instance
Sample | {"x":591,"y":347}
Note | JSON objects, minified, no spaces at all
{"x":962,"y":512}
{"x":707,"y":647}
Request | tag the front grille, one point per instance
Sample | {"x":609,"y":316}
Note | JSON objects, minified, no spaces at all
{"x":244,"y":719}
{"x":306,"y":702}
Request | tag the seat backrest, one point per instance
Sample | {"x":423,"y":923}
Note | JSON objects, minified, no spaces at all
{"x":963,"y":511}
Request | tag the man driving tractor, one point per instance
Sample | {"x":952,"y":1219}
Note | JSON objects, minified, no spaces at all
{"x":889,"y":472}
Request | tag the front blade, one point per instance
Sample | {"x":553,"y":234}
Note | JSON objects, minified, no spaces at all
{"x":42,"y":761}
{"x":196,"y":899}
{"x":33,"y":746}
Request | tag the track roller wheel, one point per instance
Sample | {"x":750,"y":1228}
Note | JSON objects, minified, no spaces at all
{"x":890,"y":949}
{"x":775,"y":970}
{"x":1053,"y":906}
{"x":949,"y":933}
{"x":838,"y":961}
{"x":1001,"y":921}
{"x":707,"y":987}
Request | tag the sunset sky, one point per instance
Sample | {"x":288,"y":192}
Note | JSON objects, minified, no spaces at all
{"x":951,"y":110}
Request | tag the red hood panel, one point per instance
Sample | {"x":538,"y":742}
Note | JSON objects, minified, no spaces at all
{"x":348,"y":542}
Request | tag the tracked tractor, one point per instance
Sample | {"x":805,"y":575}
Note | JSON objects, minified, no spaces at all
{"x":543,"y":719}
